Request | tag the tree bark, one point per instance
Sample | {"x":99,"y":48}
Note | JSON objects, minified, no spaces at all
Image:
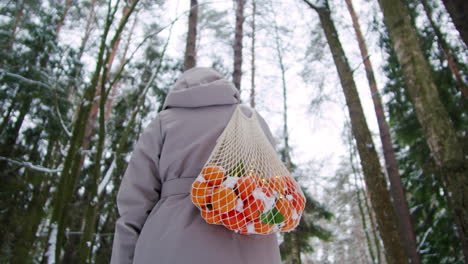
{"x":439,"y":132}
{"x":356,"y":171}
{"x":62,"y":17}
{"x":237,"y":74}
{"x":372,"y":221}
{"x":91,"y":124}
{"x":18,"y":16}
{"x":252,"y":78}
{"x":458,"y":10}
{"x":374,"y":178}
{"x":89,"y":22}
{"x":397,"y":192}
{"x":190,"y":48}
{"x":89,"y":223}
{"x":446,"y":50}
{"x":123,"y":61}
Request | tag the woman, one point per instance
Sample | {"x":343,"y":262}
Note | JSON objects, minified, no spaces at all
{"x":158,"y":222}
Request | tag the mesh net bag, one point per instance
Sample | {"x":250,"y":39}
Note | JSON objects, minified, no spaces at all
{"x":244,"y":185}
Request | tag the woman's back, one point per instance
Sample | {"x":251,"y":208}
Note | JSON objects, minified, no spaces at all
{"x":159,"y":223}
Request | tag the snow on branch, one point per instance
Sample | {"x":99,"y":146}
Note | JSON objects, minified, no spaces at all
{"x":31,"y":166}
{"x":24,"y":79}
{"x":52,"y":244}
{"x":69,"y":134}
{"x":106,"y":179}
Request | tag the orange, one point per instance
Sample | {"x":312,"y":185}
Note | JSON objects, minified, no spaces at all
{"x":244,"y":231}
{"x":245,"y":186}
{"x":255,"y":175}
{"x":211,"y":216}
{"x":290,"y":184}
{"x":284,"y":207}
{"x":253,"y":208}
{"x":223,"y":199}
{"x":234,"y":220}
{"x":213,"y":174}
{"x":263,"y":182}
{"x":263,"y":228}
{"x":267,"y":192}
{"x":290,"y":224}
{"x":277,"y":184}
{"x":298,"y":202}
{"x":200,"y":193}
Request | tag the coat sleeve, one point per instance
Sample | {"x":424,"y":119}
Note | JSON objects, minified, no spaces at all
{"x":138,"y":193}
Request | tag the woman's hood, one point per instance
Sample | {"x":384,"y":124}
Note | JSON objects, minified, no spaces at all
{"x":201,"y":86}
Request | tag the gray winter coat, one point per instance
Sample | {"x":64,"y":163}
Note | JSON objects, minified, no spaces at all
{"x":158,"y":222}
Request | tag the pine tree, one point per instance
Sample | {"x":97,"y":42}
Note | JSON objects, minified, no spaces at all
{"x":70,"y":171}
{"x":190,"y":47}
{"x":32,"y":78}
{"x":436,"y":233}
{"x":458,"y":12}
{"x":438,"y":129}
{"x":239,"y":33}
{"x":252,"y":61}
{"x":396,"y":189}
{"x":374,"y":178}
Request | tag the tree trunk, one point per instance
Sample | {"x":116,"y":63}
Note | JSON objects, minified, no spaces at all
{"x":18,"y":16}
{"x":237,"y":74}
{"x":70,"y":171}
{"x":123,"y":61}
{"x":295,"y":240}
{"x":438,"y":130}
{"x":252,"y":88}
{"x":352,"y":151}
{"x":190,"y":48}
{"x":90,"y":220}
{"x":32,"y":216}
{"x":458,"y":10}
{"x":295,"y":256}
{"x":7,"y":113}
{"x":72,"y":92}
{"x":62,"y":17}
{"x":87,"y":32}
{"x":104,"y":105}
{"x":372,"y":220}
{"x":397,"y":192}
{"x":446,"y":50}
{"x":91,"y":124}
{"x":374,"y":178}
